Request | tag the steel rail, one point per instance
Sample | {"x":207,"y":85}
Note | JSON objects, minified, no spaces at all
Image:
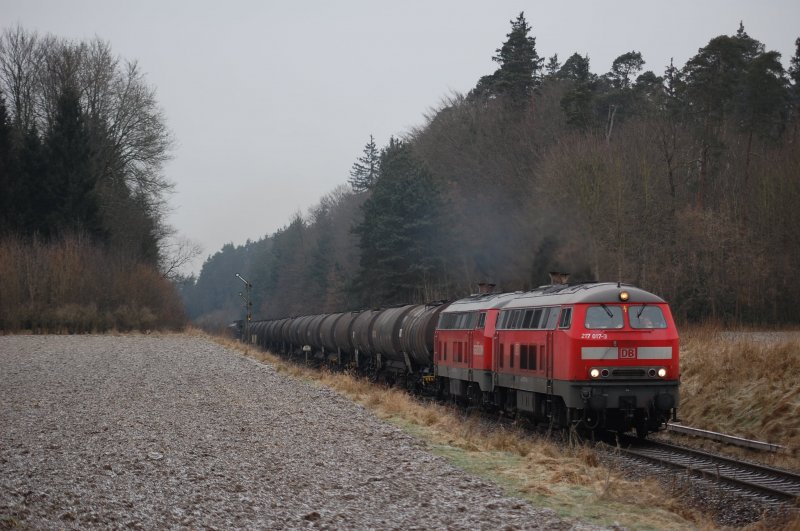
{"x":723,"y":438}
{"x":774,"y":483}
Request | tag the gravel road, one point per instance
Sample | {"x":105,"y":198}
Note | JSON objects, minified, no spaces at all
{"x":176,"y":431}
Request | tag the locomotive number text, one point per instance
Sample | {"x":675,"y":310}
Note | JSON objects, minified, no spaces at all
{"x":596,"y":335}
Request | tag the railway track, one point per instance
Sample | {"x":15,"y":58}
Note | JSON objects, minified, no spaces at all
{"x":723,"y":438}
{"x":773,"y":485}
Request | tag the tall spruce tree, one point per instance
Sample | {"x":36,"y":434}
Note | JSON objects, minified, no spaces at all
{"x":400,"y":235}
{"x":69,"y":191}
{"x":365,"y":169}
{"x":28,"y":188}
{"x":519,"y":74}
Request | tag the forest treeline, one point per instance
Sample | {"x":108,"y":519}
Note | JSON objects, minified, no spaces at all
{"x":684,"y":181}
{"x":82,"y":146}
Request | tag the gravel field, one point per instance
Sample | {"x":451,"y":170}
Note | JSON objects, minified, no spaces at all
{"x":176,"y":431}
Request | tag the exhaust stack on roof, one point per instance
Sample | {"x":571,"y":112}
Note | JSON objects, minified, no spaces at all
{"x":557,"y":278}
{"x":485,"y":288}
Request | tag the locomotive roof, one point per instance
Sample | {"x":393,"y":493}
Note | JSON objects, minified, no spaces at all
{"x":552,"y":295}
{"x":596,"y":292}
{"x":481,"y":302}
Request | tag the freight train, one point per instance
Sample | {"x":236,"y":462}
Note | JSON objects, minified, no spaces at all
{"x":591,"y":355}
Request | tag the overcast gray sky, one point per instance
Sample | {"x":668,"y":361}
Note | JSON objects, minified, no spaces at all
{"x":271,"y":102}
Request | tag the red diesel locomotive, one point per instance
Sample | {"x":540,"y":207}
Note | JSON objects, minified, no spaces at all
{"x":600,"y":354}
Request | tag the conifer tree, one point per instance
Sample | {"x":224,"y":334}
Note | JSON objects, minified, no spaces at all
{"x":400,"y":231}
{"x":577,"y":103}
{"x":624,"y":68}
{"x":794,"y":77}
{"x":553,"y":66}
{"x":576,"y":68}
{"x":365,"y":169}
{"x":734,"y":77}
{"x":28,"y":186}
{"x":70,"y":185}
{"x":794,"y":66}
{"x":519,"y":73}
{"x":6,"y":204}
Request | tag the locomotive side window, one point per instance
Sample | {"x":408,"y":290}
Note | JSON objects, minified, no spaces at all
{"x":501,"y":320}
{"x":603,"y":317}
{"x":646,"y":317}
{"x":537,"y":316}
{"x":509,"y":322}
{"x":552,"y":319}
{"x":544,"y":315}
{"x":528,"y":319}
{"x":458,"y":321}
{"x":526,"y":323}
{"x":566,"y":318}
{"x":482,"y":320}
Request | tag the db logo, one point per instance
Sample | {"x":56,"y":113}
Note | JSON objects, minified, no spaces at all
{"x":627,"y":353}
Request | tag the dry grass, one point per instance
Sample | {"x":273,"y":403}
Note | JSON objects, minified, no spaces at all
{"x":74,"y":286}
{"x":568,"y":479}
{"x":745,"y":384}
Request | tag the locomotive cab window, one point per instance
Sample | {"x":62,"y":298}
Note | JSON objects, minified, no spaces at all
{"x":482,"y":320}
{"x":646,"y":317}
{"x":603,"y":317}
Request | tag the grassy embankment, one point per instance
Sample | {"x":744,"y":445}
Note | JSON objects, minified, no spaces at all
{"x":745,"y":384}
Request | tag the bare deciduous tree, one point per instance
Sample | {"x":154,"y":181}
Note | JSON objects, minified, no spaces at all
{"x":176,"y":253}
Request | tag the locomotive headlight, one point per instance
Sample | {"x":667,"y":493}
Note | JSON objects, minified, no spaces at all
{"x":662,"y":372}
{"x":594,"y":373}
{"x":624,"y":296}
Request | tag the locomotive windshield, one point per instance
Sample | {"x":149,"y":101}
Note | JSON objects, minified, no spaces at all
{"x":603,"y":316}
{"x":647,"y":317}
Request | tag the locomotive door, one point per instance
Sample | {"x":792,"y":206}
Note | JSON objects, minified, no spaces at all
{"x":495,"y":357}
{"x":548,"y":370}
{"x":468,"y":353}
